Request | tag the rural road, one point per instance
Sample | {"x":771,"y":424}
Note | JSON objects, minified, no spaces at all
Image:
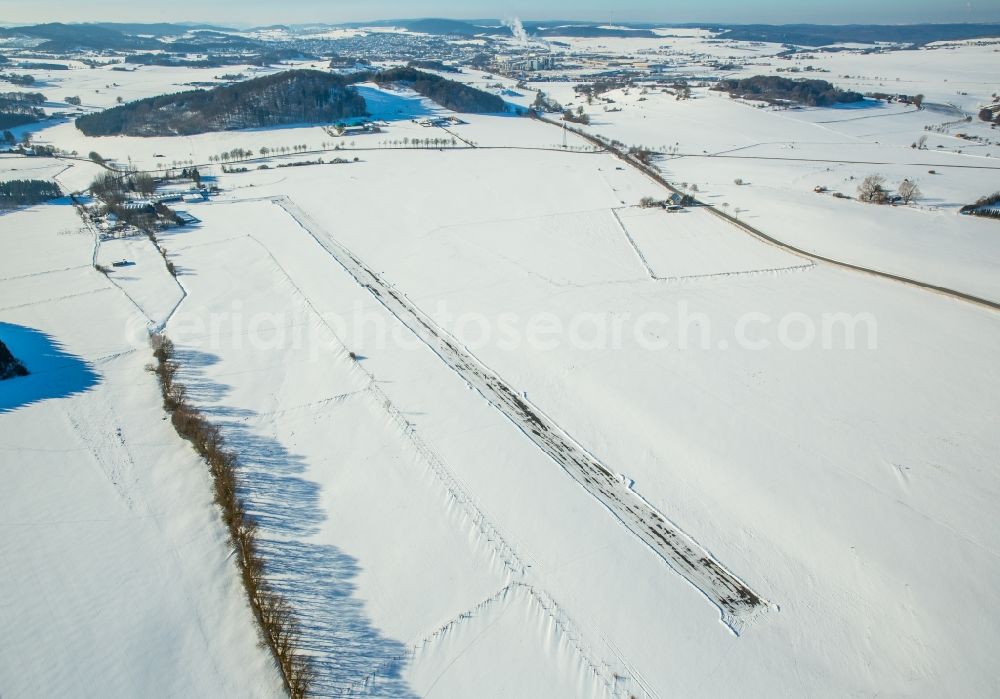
{"x":653,"y":174}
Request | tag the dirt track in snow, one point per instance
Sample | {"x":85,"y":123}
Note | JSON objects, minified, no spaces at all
{"x":738,"y":603}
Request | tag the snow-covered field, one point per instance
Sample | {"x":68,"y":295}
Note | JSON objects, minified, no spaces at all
{"x":505,"y":432}
{"x":781,"y":155}
{"x":117,"y":578}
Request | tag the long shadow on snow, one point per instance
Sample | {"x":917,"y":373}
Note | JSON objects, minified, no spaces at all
{"x":317,"y":579}
{"x":52,"y":372}
{"x":201,"y":389}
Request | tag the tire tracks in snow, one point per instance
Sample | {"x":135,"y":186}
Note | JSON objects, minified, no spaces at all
{"x":609,"y":675}
{"x":738,"y":603}
{"x":478,"y":517}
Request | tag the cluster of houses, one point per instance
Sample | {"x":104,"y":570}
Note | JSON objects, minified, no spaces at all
{"x":148,"y":204}
{"x":672,"y":204}
{"x":675,"y":202}
{"x":110,"y":225}
{"x":191,"y":196}
{"x":442,"y":122}
{"x":367,"y":127}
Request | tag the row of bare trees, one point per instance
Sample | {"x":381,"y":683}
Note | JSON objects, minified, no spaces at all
{"x":423,"y":143}
{"x":273,"y":612}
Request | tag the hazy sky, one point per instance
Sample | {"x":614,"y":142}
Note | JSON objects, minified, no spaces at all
{"x":246,"y":12}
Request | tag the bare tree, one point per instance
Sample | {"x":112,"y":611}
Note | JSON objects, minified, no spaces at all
{"x":872,"y":190}
{"x":909,"y":191}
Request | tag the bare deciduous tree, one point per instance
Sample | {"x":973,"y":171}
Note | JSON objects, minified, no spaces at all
{"x":872,"y":189}
{"x":909,"y":191}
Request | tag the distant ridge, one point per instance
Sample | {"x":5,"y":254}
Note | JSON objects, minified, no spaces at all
{"x":801,"y":34}
{"x":494,"y":27}
{"x":130,"y":36}
{"x":824,"y":35}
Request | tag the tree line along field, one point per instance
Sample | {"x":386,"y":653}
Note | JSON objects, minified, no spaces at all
{"x":14,"y":193}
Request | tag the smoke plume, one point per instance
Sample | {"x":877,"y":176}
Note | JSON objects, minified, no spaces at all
{"x":517,"y":29}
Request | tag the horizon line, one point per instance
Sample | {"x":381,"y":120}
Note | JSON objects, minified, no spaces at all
{"x":500,"y":22}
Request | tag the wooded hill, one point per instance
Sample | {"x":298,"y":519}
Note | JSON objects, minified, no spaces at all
{"x":17,"y":108}
{"x":452,"y":95}
{"x":283,"y":98}
{"x":296,"y":96}
{"x":772,"y":88}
